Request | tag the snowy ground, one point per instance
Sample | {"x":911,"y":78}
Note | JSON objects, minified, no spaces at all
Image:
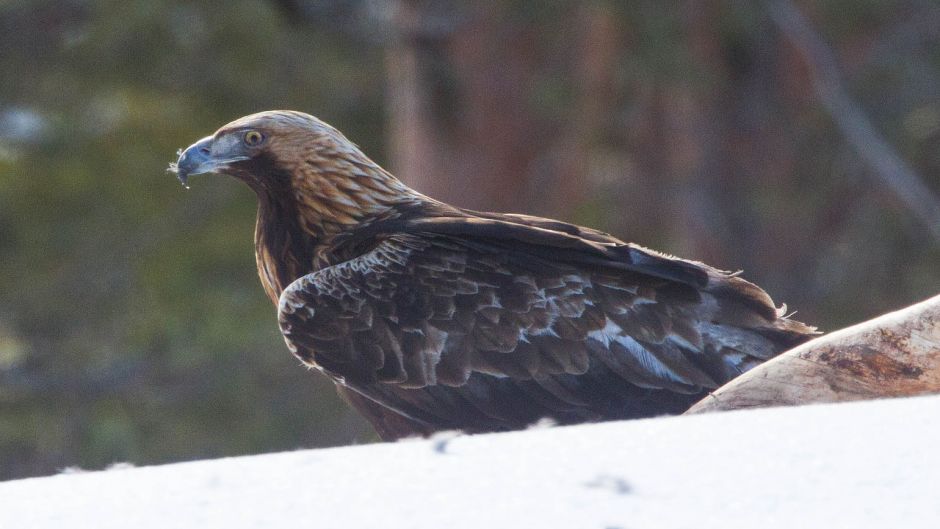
{"x":870,"y":464}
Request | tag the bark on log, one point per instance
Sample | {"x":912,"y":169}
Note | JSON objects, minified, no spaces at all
{"x":895,"y":355}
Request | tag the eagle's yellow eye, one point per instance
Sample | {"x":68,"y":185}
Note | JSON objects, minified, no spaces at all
{"x":253,"y":138}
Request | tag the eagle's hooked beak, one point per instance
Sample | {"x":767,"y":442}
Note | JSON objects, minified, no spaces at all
{"x":196,"y":159}
{"x":208,"y":155}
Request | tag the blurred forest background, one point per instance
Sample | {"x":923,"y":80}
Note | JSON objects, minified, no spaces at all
{"x":798,"y":141}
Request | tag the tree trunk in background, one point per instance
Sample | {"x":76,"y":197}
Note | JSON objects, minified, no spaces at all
{"x":461,"y":128}
{"x":465,"y":125}
{"x":573,"y":170}
{"x":696,"y":140}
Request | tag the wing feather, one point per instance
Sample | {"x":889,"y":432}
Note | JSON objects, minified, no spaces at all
{"x":483,"y":323}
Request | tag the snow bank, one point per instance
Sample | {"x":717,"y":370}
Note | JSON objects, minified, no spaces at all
{"x":869,"y":464}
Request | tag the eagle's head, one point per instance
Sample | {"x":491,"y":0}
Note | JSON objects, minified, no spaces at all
{"x":291,"y":156}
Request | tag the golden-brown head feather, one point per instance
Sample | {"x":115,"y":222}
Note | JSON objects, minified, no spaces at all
{"x":333,"y":183}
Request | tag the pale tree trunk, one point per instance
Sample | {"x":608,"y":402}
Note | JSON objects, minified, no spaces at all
{"x":572,"y":169}
{"x":895,"y":355}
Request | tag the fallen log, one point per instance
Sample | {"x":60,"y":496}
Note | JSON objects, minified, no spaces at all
{"x":894,"y":355}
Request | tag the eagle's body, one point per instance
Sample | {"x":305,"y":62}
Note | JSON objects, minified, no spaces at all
{"x":430,"y":317}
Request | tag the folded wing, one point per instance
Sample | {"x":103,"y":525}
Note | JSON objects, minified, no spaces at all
{"x":451,"y":321}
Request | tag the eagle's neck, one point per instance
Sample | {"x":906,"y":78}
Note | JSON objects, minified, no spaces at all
{"x":301,"y":217}
{"x":311,"y":192}
{"x":283,"y":249}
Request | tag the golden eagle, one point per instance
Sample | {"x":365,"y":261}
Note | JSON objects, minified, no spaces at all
{"x":431,"y":317}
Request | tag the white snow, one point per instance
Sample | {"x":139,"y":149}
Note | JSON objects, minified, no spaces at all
{"x":869,"y":464}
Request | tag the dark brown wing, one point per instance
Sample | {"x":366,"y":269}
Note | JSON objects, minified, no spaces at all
{"x":483,"y":324}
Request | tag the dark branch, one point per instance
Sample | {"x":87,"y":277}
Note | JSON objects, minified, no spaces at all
{"x":858,"y":130}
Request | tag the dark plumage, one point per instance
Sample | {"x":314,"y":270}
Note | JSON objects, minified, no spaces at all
{"x":431,"y":317}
